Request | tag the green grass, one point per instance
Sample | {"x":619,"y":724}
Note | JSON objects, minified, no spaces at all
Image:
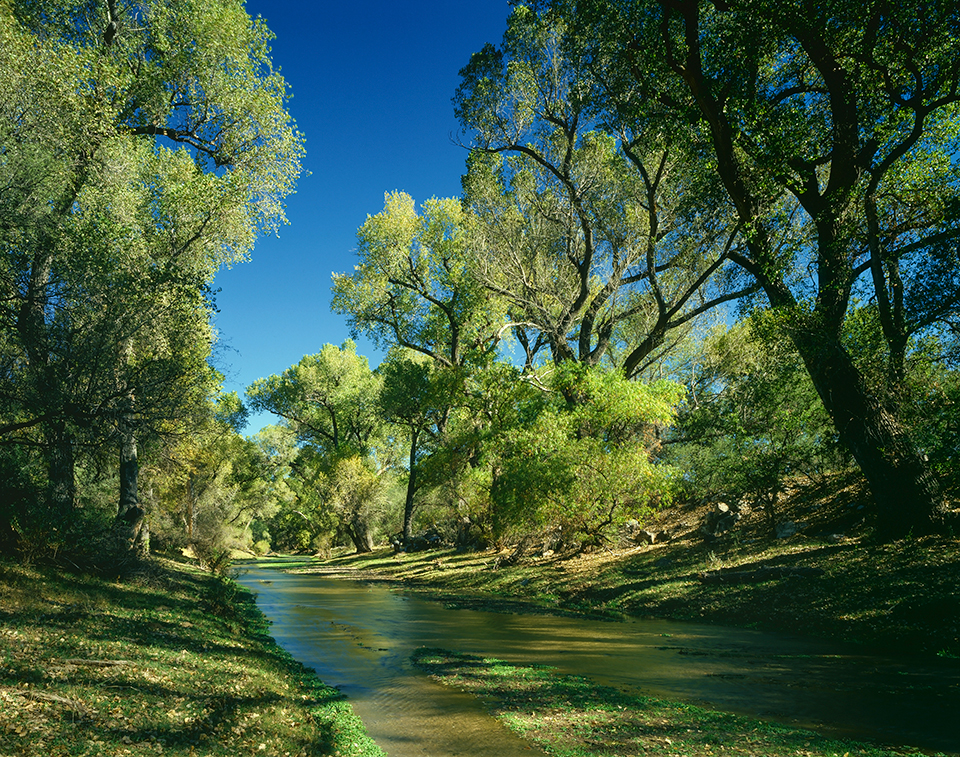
{"x":175,"y":662}
{"x":570,"y":716}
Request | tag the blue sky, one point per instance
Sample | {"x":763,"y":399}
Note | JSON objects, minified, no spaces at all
{"x":372,"y":83}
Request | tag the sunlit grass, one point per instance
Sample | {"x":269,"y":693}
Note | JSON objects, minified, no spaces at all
{"x":570,"y":716}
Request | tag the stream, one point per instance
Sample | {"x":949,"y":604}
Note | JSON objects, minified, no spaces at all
{"x":359,"y":637}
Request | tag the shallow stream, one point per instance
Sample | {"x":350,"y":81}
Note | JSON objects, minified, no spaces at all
{"x":359,"y":637}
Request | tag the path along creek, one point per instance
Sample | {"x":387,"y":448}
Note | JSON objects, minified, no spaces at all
{"x":359,"y":637}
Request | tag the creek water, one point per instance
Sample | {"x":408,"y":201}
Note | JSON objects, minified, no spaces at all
{"x":359,"y":637}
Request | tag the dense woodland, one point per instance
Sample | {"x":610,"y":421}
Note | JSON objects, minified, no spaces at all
{"x":704,"y":251}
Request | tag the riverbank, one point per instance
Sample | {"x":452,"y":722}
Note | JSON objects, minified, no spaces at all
{"x":827,"y":580}
{"x":173,"y":661}
{"x":820,"y":582}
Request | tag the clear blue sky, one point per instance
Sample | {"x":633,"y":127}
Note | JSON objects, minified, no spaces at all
{"x":372,"y":83}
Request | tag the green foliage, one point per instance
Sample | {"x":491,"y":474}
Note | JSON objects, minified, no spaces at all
{"x":328,"y":400}
{"x":214,"y":491}
{"x":358,"y":495}
{"x":832,"y":129}
{"x":580,"y":457}
{"x":144,"y":148}
{"x":752,"y":419}
{"x":414,"y":287}
{"x":418,"y":398}
{"x":339,"y":452}
{"x":600,"y":237}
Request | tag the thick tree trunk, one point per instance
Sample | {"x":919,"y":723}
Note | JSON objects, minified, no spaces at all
{"x":61,"y":482}
{"x":906,"y":493}
{"x":360,"y":535}
{"x":129,"y":527}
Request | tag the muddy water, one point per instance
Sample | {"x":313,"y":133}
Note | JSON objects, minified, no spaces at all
{"x":359,"y":637}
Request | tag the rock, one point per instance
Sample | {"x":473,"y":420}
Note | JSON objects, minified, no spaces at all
{"x":648,"y":537}
{"x":719,"y":521}
{"x":786,"y":529}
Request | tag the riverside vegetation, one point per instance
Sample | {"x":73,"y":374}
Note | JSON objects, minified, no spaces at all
{"x":721,"y":239}
{"x":178,"y":661}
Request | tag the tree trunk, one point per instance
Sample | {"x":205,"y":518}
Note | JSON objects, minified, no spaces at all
{"x":61,"y":482}
{"x":906,"y":493}
{"x":408,"y":504}
{"x":129,"y":527}
{"x":360,"y":535}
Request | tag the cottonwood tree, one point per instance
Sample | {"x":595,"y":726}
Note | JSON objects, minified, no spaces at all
{"x":414,"y":286}
{"x":589,"y":236}
{"x":414,"y":290}
{"x":329,"y":401}
{"x":752,"y":424}
{"x":418,"y":397}
{"x":145,"y":146}
{"x":846,"y":112}
{"x":213,"y":490}
{"x":580,"y":456}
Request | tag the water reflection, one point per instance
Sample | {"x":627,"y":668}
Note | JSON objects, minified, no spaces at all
{"x":359,"y":637}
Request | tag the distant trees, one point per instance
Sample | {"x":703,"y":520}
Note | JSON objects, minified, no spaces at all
{"x":329,"y":402}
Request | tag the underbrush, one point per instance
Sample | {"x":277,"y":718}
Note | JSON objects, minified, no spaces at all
{"x":172,"y":661}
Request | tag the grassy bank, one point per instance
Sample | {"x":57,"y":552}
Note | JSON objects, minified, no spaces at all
{"x":570,"y":716}
{"x":172,"y":662}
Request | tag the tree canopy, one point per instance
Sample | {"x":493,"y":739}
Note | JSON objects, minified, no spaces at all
{"x":144,"y":147}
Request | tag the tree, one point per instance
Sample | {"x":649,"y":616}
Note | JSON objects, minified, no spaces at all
{"x":581,"y":456}
{"x":144,"y":147}
{"x":418,"y":397}
{"x":213,"y":490}
{"x":752,"y":420}
{"x":414,"y":287}
{"x":415,"y":291}
{"x":329,"y":401}
{"x":591,"y":237}
{"x":824,"y":122}
{"x":358,"y":494}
